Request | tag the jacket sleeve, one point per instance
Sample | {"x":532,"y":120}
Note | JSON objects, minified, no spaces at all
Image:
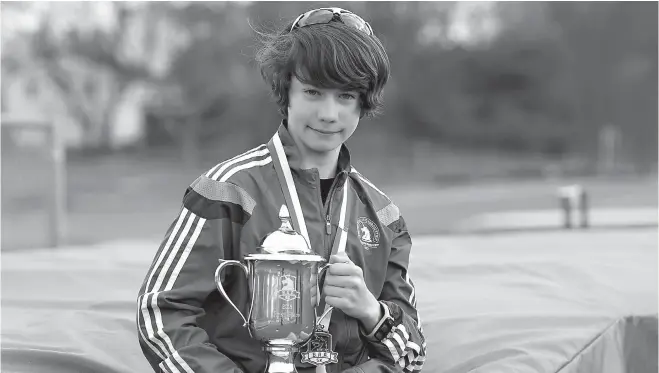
{"x":404,"y":349}
{"x":182,"y":275}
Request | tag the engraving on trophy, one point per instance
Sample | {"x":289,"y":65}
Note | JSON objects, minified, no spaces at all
{"x":288,"y":292}
{"x":287,"y":314}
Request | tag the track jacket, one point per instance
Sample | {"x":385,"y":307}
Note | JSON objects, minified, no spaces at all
{"x":184,"y":324}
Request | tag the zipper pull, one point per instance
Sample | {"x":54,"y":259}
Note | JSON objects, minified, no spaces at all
{"x":328,"y":227}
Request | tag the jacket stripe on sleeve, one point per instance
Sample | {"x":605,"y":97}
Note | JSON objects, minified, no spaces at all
{"x":218,"y":170}
{"x":149,"y":300}
{"x":408,"y":280}
{"x":415,"y":364}
{"x":220,"y":167}
{"x":160,"y":350}
{"x":175,"y":251}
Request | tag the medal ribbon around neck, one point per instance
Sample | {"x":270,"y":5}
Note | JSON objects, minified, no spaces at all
{"x":292,"y":201}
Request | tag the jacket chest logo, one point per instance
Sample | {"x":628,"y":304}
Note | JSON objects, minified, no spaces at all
{"x":368,"y":233}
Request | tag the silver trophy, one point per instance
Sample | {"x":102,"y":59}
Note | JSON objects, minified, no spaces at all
{"x":283,"y":287}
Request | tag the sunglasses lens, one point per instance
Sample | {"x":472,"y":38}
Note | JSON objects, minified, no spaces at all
{"x":316,"y":17}
{"x":320,"y":16}
{"x":355,"y":21}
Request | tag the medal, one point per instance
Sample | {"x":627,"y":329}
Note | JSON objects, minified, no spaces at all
{"x":319,"y":350}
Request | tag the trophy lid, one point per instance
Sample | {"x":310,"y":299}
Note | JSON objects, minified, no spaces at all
{"x":285,"y":240}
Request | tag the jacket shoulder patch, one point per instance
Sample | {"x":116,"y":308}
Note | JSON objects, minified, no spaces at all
{"x":224,"y":192}
{"x":388,"y":214}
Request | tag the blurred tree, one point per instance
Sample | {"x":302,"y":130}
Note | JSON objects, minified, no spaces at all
{"x":92,"y":52}
{"x":514,"y":84}
{"x":538,"y":77}
{"x":547,"y":80}
{"x":611,"y":55}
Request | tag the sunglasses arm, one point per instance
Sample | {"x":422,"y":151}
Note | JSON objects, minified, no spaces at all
{"x":296,"y":21}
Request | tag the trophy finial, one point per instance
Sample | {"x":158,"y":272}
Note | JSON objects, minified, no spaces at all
{"x":283,"y":213}
{"x":285,"y":217}
{"x":284,"y":240}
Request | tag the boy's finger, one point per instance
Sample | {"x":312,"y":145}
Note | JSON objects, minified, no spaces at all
{"x":340,"y":258}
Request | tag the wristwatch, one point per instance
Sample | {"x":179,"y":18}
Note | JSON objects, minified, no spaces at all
{"x":383,"y":327}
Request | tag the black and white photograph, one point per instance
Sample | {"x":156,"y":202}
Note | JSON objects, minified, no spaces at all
{"x":329,"y":187}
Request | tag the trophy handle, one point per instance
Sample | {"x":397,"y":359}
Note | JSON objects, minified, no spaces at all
{"x":321,"y":270}
{"x":320,"y":273}
{"x":218,"y":282}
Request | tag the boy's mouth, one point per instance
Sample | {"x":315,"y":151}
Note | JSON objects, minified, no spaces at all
{"x":325,"y":132}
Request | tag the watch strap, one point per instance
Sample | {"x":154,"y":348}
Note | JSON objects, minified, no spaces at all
{"x":383,"y":327}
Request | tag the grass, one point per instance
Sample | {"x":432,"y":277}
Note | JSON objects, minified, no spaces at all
{"x":126,"y":196}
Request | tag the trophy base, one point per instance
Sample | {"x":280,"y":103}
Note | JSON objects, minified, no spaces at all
{"x":281,"y":359}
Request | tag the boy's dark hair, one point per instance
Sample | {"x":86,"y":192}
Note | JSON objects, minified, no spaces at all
{"x":330,"y":55}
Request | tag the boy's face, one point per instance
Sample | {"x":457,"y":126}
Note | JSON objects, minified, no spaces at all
{"x":321,"y":119}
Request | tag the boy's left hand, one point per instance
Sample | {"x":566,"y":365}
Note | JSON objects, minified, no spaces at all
{"x":345,"y":289}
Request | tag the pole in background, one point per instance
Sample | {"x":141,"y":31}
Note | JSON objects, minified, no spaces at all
{"x":575,"y":206}
{"x":55,"y":147}
{"x":608,"y":149}
{"x":58,"y":215}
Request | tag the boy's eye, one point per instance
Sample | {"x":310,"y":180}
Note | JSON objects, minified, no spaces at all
{"x":312,"y":92}
{"x":348,"y":96}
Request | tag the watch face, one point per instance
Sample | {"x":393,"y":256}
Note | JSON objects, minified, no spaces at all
{"x":385,"y":328}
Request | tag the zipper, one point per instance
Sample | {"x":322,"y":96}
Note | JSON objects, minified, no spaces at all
{"x":328,"y":215}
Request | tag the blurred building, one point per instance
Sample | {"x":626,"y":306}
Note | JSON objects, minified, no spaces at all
{"x":57,"y":67}
{"x":31,"y":95}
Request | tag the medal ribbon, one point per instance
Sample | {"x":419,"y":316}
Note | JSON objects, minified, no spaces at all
{"x":292,"y":201}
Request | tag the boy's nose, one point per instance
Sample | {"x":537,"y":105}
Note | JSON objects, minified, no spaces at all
{"x":328,"y":110}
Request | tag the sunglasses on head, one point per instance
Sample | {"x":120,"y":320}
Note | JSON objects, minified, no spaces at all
{"x":327,"y":15}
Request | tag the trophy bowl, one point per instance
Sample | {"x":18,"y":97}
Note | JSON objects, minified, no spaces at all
{"x":283,"y":292}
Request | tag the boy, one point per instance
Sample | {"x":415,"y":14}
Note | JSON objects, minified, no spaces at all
{"x":327,"y":70}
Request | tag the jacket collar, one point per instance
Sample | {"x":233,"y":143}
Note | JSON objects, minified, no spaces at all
{"x":295,"y":158}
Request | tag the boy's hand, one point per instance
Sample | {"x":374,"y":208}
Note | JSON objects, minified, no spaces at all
{"x":345,"y":289}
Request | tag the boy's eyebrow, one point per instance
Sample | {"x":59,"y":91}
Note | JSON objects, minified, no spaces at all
{"x":309,"y":85}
